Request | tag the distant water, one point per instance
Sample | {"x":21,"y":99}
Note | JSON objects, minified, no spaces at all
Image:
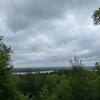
{"x":43,"y":69}
{"x":33,"y":72}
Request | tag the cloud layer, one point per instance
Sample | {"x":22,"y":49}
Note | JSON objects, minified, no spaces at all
{"x":48,"y":32}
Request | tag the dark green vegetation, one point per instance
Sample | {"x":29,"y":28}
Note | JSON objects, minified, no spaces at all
{"x":96,"y":17}
{"x":75,"y":84}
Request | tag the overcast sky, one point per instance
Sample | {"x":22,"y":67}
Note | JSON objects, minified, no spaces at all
{"x":48,"y":32}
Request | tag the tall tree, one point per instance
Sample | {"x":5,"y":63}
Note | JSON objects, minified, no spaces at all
{"x":8,"y":89}
{"x":5,"y":61}
{"x":79,"y":81}
{"x":5,"y":65}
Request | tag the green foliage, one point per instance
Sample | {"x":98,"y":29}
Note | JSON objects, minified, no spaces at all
{"x":6,"y":83}
{"x":74,"y":84}
{"x":80,"y":84}
{"x":96,"y":17}
{"x":5,"y":61}
{"x":79,"y":81}
{"x":8,"y":89}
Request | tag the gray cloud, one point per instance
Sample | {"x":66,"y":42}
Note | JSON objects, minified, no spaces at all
{"x":23,"y":14}
{"x":48,"y":32}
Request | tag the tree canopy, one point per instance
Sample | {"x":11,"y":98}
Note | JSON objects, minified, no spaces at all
{"x":96,"y":17}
